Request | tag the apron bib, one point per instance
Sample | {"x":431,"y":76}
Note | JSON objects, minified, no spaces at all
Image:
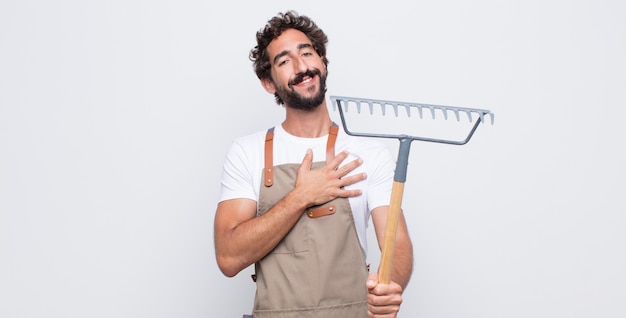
{"x":318,"y":269}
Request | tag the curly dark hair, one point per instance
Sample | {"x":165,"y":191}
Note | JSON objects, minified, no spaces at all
{"x":274,"y":28}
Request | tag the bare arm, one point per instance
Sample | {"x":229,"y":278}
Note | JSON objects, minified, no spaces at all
{"x":402,"y":264}
{"x":384,"y":300}
{"x":241,"y":238}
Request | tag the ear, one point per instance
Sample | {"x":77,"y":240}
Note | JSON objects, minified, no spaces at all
{"x":268,"y":85}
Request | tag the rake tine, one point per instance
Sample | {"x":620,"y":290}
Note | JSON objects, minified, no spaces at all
{"x":432,"y":111}
{"x":345,"y":106}
{"x":419,"y":108}
{"x":408,"y":110}
{"x":395,"y":109}
{"x":445,"y":113}
{"x":456,"y":114}
{"x":371,"y":107}
{"x":469,"y":115}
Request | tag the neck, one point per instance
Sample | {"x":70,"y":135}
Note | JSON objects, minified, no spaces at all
{"x":307,"y":124}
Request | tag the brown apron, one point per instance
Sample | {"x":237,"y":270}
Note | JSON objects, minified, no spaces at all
{"x":318,"y":269}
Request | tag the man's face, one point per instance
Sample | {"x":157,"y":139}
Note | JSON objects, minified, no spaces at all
{"x":298,"y":72}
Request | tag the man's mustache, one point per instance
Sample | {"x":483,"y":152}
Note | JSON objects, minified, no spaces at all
{"x":300,"y":77}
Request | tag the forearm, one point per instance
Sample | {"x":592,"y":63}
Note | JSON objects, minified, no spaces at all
{"x":384,"y":300}
{"x":402,"y":264}
{"x":402,"y":261}
{"x":243,"y":243}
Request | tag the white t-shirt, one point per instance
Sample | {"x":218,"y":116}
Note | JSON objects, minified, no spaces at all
{"x":243,"y":168}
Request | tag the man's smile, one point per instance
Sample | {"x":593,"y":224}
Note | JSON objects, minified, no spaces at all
{"x":304,"y":79}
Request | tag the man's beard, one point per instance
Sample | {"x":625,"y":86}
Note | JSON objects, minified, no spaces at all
{"x":296,"y":101}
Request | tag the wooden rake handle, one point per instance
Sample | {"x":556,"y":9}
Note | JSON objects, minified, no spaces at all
{"x":393,"y":216}
{"x":391,"y":228}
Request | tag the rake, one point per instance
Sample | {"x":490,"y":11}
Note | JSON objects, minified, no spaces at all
{"x":343,"y":103}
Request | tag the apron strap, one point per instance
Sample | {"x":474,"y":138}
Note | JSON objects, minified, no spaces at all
{"x":269,"y":152}
{"x":269,"y":158}
{"x":330,"y":143}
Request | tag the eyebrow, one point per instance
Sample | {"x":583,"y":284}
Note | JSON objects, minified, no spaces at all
{"x":285,"y":52}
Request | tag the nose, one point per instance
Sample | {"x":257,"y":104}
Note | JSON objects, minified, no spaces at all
{"x":300,"y":65}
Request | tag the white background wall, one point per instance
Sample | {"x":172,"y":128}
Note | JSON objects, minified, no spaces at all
{"x":115,"y":116}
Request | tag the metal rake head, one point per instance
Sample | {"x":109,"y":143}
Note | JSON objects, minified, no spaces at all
{"x":344,"y":103}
